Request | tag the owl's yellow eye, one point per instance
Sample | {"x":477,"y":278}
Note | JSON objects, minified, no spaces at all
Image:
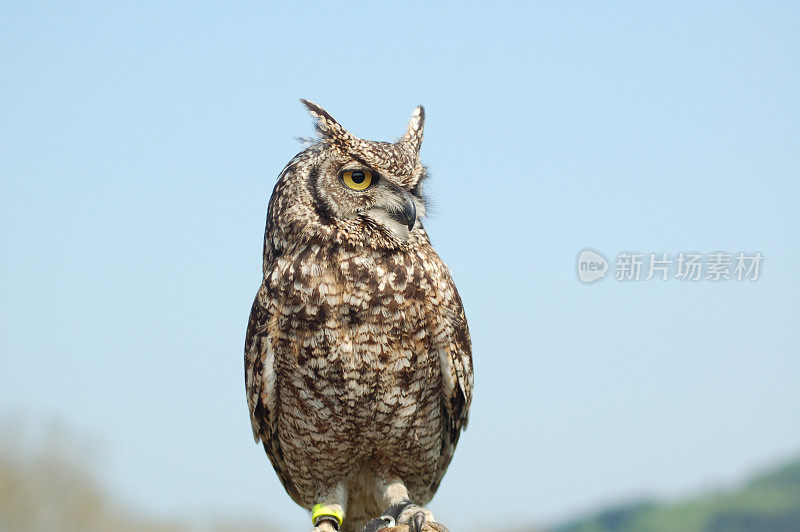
{"x":357,"y":179}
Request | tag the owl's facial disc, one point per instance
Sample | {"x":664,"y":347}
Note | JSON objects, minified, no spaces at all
{"x":373,"y":196}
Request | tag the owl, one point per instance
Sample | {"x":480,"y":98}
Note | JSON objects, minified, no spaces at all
{"x":358,"y":359}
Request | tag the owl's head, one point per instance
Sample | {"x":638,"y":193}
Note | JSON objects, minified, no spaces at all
{"x":368,"y":189}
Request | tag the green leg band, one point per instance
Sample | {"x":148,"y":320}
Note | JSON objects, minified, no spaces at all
{"x":321,"y":512}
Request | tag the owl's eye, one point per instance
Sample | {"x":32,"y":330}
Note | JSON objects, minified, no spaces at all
{"x":357,"y":179}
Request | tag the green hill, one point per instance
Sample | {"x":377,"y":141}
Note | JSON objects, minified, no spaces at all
{"x":770,"y":502}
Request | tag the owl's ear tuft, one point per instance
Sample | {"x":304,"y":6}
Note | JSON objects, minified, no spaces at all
{"x":326,"y":126}
{"x":413,"y":135}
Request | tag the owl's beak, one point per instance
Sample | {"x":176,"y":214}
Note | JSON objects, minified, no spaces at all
{"x":409,"y":213}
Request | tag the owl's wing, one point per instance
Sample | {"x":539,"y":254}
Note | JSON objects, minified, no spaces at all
{"x":260,"y":382}
{"x":455,"y":359}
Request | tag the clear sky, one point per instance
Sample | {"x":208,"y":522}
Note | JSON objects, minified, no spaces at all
{"x":139,"y":144}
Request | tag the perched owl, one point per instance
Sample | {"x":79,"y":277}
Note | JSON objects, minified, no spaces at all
{"x":358,"y":363}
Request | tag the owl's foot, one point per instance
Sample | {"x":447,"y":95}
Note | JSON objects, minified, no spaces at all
{"x":415,"y":517}
{"x":326,"y":526}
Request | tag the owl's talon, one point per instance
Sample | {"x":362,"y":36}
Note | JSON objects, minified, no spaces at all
{"x":379,"y":523}
{"x":407,"y":513}
{"x":417,"y":522}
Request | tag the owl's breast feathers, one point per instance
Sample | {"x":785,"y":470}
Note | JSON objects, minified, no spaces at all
{"x":355,"y":351}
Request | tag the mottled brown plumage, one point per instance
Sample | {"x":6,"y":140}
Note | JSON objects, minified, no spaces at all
{"x":358,"y":362}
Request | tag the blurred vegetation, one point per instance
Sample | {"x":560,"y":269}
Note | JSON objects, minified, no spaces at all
{"x":48,"y":483}
{"x":768,"y":503}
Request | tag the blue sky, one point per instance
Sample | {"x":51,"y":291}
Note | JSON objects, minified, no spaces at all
{"x":139,"y":145}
